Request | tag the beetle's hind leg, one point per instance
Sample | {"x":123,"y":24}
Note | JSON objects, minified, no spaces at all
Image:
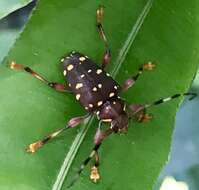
{"x":107,"y":53}
{"x":54,"y":85}
{"x":71,"y":124}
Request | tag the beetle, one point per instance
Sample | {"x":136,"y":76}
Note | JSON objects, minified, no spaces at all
{"x":98,"y":93}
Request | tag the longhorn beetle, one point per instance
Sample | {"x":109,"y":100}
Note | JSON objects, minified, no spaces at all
{"x":98,"y":93}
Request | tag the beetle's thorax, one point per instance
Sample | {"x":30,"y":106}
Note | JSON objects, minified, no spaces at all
{"x":113,"y":111}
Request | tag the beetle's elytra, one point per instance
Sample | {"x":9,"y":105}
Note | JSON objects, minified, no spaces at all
{"x":91,"y":85}
{"x":98,"y":93}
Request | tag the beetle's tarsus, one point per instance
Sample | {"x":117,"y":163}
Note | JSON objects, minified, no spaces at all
{"x":95,"y":176}
{"x":34,"y":147}
{"x":13,"y":65}
{"x":149,"y":66}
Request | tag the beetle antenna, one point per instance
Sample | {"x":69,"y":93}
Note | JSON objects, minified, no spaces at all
{"x":193,"y":95}
{"x":162,"y":100}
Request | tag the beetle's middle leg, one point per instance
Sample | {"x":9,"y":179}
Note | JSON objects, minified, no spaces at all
{"x":107,"y":53}
{"x":71,"y":124}
{"x":54,"y":85}
{"x":131,"y":81}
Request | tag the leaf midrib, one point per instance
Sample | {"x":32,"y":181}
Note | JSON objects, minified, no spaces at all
{"x":65,"y":167}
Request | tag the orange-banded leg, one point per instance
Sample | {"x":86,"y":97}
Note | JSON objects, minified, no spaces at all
{"x":131,"y":81}
{"x":95,"y":175}
{"x":54,"y":85}
{"x":71,"y":124}
{"x":139,"y":111}
{"x":107,"y":53}
{"x":94,"y":171}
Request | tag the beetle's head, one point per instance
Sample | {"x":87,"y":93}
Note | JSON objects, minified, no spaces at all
{"x":113,"y":111}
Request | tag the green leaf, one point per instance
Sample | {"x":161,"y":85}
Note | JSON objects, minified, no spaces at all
{"x":9,"y":6}
{"x":165,"y":33}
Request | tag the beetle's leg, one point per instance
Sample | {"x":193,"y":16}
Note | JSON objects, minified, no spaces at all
{"x":71,"y":124}
{"x":101,"y":136}
{"x":54,"y":85}
{"x":95,"y":176}
{"x":139,"y":111}
{"x":107,"y":53}
{"x":131,"y":81}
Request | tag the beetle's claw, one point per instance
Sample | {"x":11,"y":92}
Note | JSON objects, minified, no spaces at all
{"x":149,"y":66}
{"x":144,"y":117}
{"x":95,"y":176}
{"x":13,"y":65}
{"x":34,"y":146}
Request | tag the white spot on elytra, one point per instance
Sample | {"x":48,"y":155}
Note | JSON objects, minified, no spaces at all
{"x":115,"y":87}
{"x":99,"y":85}
{"x":70,"y":67}
{"x":78,"y":85}
{"x":99,"y":71}
{"x":78,"y":96}
{"x":111,"y":94}
{"x":64,"y":72}
{"x":94,"y":89}
{"x":89,"y":70}
{"x":124,"y":108}
{"x":90,"y":105}
{"x":69,"y":84}
{"x":99,"y":103}
{"x":82,"y":58}
{"x":82,"y":76}
{"x":114,"y":102}
{"x":98,"y":112}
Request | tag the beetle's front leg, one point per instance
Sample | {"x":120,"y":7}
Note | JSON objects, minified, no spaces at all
{"x":107,"y":53}
{"x":71,"y":124}
{"x":54,"y":85}
{"x":131,"y":81}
